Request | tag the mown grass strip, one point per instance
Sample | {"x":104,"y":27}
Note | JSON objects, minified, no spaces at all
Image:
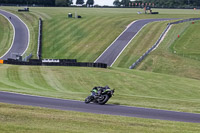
{"x":16,"y":118}
{"x":188,"y":43}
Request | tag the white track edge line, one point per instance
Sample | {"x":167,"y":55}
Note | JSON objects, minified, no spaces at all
{"x":115,"y":40}
{"x":127,"y":45}
{"x":26,"y":28}
{"x":132,"y":39}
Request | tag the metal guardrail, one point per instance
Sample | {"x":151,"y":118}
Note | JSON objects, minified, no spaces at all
{"x":185,"y":20}
{"x":158,"y":41}
{"x":39,"y":50}
{"x":28,"y":57}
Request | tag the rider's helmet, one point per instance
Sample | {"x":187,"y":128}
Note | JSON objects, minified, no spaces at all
{"x":95,"y":88}
{"x":107,"y":87}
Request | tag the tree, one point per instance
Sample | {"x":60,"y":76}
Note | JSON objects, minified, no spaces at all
{"x":125,"y":2}
{"x":90,"y":2}
{"x":117,"y":3}
{"x":70,"y":2}
{"x":79,"y":2}
{"x":63,"y":2}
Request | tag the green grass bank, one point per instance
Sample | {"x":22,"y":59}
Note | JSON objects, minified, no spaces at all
{"x":133,"y":87}
{"x":18,"y":119}
{"x":177,"y":56}
{"x":85,"y":39}
{"x":165,"y":80}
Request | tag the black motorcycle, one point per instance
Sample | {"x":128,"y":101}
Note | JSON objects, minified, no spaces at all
{"x":100,"y":99}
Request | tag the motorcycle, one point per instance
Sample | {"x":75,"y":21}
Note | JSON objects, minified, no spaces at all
{"x":100,"y":99}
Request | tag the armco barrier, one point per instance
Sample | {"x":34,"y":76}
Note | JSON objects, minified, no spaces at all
{"x":39,"y":50}
{"x":55,"y":62}
{"x":149,"y":50}
{"x":185,"y":20}
{"x":158,"y":41}
{"x":28,"y":57}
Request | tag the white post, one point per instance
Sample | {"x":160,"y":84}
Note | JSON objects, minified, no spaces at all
{"x":75,"y":15}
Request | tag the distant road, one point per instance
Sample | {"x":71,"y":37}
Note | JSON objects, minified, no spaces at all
{"x":61,"y":104}
{"x":21,"y":36}
{"x":110,"y":55}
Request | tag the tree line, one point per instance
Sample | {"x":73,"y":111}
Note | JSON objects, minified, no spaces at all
{"x":45,"y":2}
{"x":161,"y":3}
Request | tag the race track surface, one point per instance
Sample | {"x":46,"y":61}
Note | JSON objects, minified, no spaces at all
{"x":21,"y":36}
{"x":61,"y":104}
{"x":116,"y":48}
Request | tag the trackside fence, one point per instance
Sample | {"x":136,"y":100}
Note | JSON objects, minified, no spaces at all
{"x":39,"y":50}
{"x":54,"y":62}
{"x":28,"y":57}
{"x":158,"y":41}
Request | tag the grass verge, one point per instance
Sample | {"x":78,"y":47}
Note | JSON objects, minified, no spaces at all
{"x":18,"y":119}
{"x":6,"y":35}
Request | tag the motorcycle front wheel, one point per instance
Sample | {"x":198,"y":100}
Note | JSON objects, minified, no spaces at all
{"x":88,"y":99}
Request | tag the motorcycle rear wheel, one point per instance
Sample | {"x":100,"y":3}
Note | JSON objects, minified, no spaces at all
{"x":103,"y":100}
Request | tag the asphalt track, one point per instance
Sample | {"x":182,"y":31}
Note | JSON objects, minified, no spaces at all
{"x":21,"y":36}
{"x":61,"y":104}
{"x":110,"y":55}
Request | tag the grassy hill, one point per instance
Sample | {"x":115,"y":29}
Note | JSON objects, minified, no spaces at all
{"x":6,"y":35}
{"x":167,"y":81}
{"x":85,"y":39}
{"x":140,"y":44}
{"x":133,"y":87}
{"x":188,"y":44}
{"x":177,"y":56}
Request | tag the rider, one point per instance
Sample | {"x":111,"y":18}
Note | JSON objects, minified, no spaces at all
{"x":98,"y":90}
{"x":94,"y":91}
